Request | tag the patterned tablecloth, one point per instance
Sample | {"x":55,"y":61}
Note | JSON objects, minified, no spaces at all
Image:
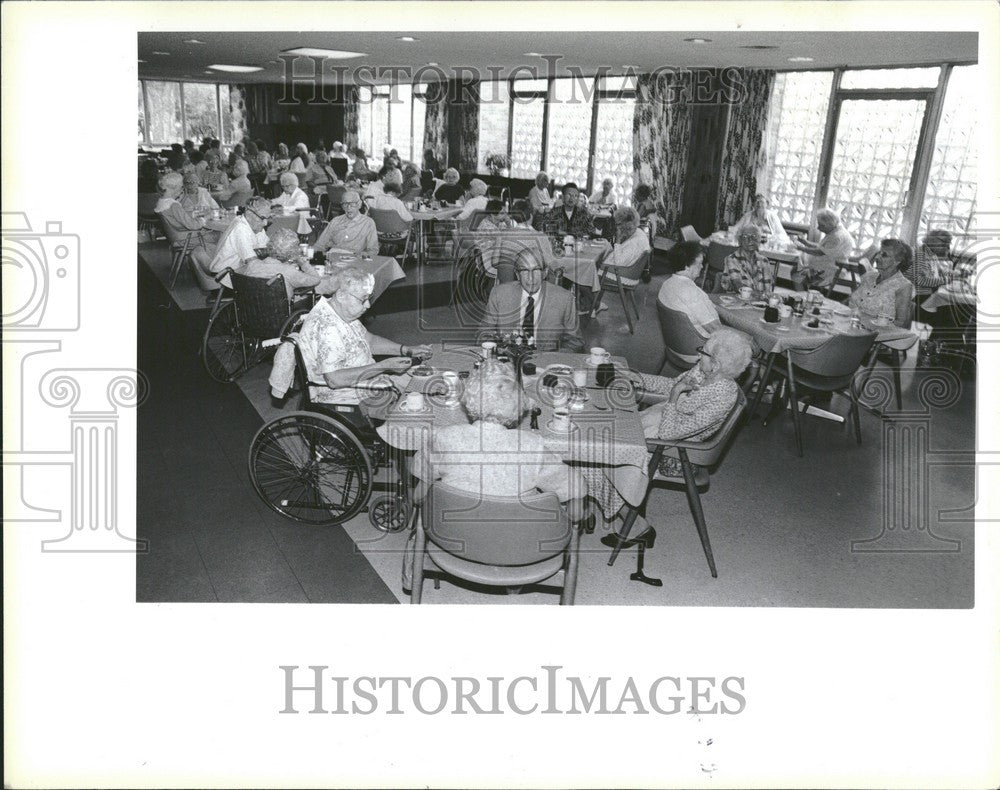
{"x":580,"y":266}
{"x":611,"y":438}
{"x":954,"y":293}
{"x":384,"y":269}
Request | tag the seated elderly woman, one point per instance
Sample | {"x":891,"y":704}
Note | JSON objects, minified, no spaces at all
{"x":338,"y":351}
{"x":539,"y":197}
{"x":477,"y":199}
{"x":291,"y":197}
{"x":642,"y":202}
{"x":240,"y":189}
{"x":176,"y":219}
{"x":932,"y":265}
{"x":765,"y":220}
{"x":195,"y":197}
{"x":692,"y":406}
{"x":748,"y":267}
{"x":680,"y":291}
{"x":284,"y":258}
{"x":630,"y":244}
{"x":352,"y":231}
{"x":360,"y":166}
{"x":282,"y":159}
{"x":886,"y":294}
{"x":605,"y":194}
{"x":492,"y":455}
{"x":258,"y":159}
{"x":450,"y":191}
{"x":410,"y":188}
{"x":301,"y":160}
{"x":213,"y":177}
{"x":320,"y":174}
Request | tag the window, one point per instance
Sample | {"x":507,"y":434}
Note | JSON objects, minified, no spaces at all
{"x":494,"y":116}
{"x":170,"y":112}
{"x":799,"y":106}
{"x":390,"y":117}
{"x":419,"y":119}
{"x":613,"y":135}
{"x":401,"y":126}
{"x":571,"y":107}
{"x":365,"y":119}
{"x":951,"y":189}
{"x":527,"y":121}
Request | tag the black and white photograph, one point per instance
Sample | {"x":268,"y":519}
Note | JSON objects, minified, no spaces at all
{"x":680,"y":314}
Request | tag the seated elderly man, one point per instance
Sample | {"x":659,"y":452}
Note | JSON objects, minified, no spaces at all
{"x":389,"y":200}
{"x":571,"y":217}
{"x":337,"y":349}
{"x":387,"y":174}
{"x":291,"y":197}
{"x":245,"y":234}
{"x":491,"y":455}
{"x":476,"y":200}
{"x":284,"y":258}
{"x":748,"y":267}
{"x":886,"y":294}
{"x":819,"y":261}
{"x":533,"y":308}
{"x":352,"y":231}
{"x":195,"y":196}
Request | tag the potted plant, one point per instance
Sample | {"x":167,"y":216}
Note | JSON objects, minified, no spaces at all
{"x":498,"y":164}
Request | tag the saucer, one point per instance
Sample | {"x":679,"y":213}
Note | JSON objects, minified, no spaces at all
{"x":579,"y":404}
{"x":591,"y":362}
{"x":765,"y":321}
{"x":421,"y":371}
{"x":758,"y":304}
{"x":551,"y":427}
{"x":783,"y":328}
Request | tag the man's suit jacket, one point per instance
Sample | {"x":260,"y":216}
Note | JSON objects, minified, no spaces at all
{"x":558,"y":325}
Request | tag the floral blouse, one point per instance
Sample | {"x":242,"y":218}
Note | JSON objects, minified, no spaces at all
{"x":753,"y":270}
{"x":887,"y":299}
{"x":330,"y":343}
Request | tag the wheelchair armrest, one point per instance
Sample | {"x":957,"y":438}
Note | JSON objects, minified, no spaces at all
{"x":223,"y":274}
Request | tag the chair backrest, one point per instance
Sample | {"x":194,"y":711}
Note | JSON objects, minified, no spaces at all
{"x":606,"y":225}
{"x":147,"y":202}
{"x":680,"y":337}
{"x":708,"y":451}
{"x":717,"y":254}
{"x":632,"y":271}
{"x":387,"y":220}
{"x":848,"y":277}
{"x":339,"y":166}
{"x":496,"y":530}
{"x":302,"y":180}
{"x":262,"y":304}
{"x":239,"y":198}
{"x":335,"y":193}
{"x":839,"y":357}
{"x":688,"y":233}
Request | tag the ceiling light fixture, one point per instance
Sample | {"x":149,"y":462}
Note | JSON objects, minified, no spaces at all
{"x":161,"y":53}
{"x":141,"y":60}
{"x":759,"y":46}
{"x":316,"y":52}
{"x":432,"y":63}
{"x":699,"y":40}
{"x":407,"y":38}
{"x":193,"y":41}
{"x":532,"y":54}
{"x":235,"y":69}
{"x":800,"y":59}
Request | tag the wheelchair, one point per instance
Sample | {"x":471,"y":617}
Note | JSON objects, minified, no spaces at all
{"x":321,"y":464}
{"x":247,"y":321}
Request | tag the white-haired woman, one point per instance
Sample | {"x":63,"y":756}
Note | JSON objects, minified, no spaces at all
{"x":195,"y":197}
{"x":337,"y":349}
{"x":301,"y":161}
{"x":491,"y":454}
{"x":213,"y":177}
{"x":282,"y":159}
{"x":692,"y":406}
{"x":291,"y":197}
{"x":630,"y":244}
{"x":477,"y":200}
{"x":320,"y":174}
{"x":765,"y":219}
{"x":339,"y":151}
{"x":284,"y":258}
{"x":819,"y":260}
{"x":748,"y":267}
{"x":538,"y":197}
{"x":450,"y":191}
{"x":604,"y":195}
{"x":177,"y":219}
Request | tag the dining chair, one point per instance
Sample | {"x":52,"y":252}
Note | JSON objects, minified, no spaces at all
{"x":847,"y":278}
{"x":334,"y":195}
{"x":831,"y":367}
{"x":891,"y":353}
{"x":714,"y":265}
{"x":697,"y":459}
{"x":182,"y":242}
{"x":339,"y":166}
{"x":688,"y":233}
{"x":624,"y":279}
{"x":149,"y":220}
{"x":392,"y":229}
{"x":200,"y":262}
{"x":495,"y":541}
{"x":681,"y":340}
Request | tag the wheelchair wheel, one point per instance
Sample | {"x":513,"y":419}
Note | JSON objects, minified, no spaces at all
{"x":390,"y":513}
{"x":311,"y":469}
{"x":225,"y":354}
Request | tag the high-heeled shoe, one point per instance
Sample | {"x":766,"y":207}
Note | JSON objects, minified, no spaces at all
{"x":647,"y":539}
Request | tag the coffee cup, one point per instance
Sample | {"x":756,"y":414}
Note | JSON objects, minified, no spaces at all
{"x":785,"y":311}
{"x":489,"y":348}
{"x":560,"y":419}
{"x":771,"y":314}
{"x":599,"y":355}
{"x":580,"y":377}
{"x":746,"y":292}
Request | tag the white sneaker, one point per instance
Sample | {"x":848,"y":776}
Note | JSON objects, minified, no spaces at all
{"x":600,"y":309}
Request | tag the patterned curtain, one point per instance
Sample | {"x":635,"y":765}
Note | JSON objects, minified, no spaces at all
{"x":464,"y":122}
{"x":744,"y":155}
{"x":238,"y":114}
{"x":436,"y":121}
{"x":351,"y":118}
{"x":661,"y":131}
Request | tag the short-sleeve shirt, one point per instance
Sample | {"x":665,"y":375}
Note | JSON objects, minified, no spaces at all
{"x":878,"y":299}
{"x":486,"y":458}
{"x":357,"y":235}
{"x":298,"y":199}
{"x":837,"y":245}
{"x":329,"y":343}
{"x":682,"y":294}
{"x":237,"y":243}
{"x":753,"y":270}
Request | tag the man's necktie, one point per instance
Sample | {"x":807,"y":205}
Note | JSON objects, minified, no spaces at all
{"x":528,"y":322}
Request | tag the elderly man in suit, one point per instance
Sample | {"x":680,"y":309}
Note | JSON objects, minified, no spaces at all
{"x":534,"y":308}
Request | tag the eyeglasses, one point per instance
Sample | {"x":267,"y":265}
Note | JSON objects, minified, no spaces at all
{"x":528,"y":271}
{"x":351,"y":203}
{"x":365,"y":302}
{"x":265,"y":220}
{"x":701,"y":350}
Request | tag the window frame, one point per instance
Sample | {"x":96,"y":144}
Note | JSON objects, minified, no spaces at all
{"x":147,"y":142}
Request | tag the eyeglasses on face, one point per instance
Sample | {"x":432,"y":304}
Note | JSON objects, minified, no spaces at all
{"x":701,"y":350}
{"x":351,"y":203}
{"x":261,"y":217}
{"x":528,"y":271}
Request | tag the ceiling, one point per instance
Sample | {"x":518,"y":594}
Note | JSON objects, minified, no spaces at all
{"x":586,"y":50}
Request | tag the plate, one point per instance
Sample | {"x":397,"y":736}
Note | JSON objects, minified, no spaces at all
{"x":764,"y":321}
{"x":783,"y":327}
{"x":842,"y":312}
{"x":728,"y":300}
{"x":758,"y":304}
{"x":421,"y":371}
{"x":559,"y":370}
{"x":594,"y":363}
{"x":571,"y":429}
{"x":578,"y":404}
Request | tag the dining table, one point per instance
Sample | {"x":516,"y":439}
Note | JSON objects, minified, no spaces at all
{"x":957,"y":292}
{"x":292,"y":221}
{"x":425,"y":217}
{"x":605,"y":431}
{"x":385,"y":269}
{"x":580,"y":264}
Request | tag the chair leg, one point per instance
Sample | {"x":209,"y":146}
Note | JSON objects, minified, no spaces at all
{"x":856,"y":413}
{"x":597,"y":301}
{"x":795,"y":407}
{"x":694,"y":500}
{"x":417,"y":574}
{"x":626,"y":528}
{"x":628,"y":316}
{"x":896,"y":362}
{"x":763,"y":386}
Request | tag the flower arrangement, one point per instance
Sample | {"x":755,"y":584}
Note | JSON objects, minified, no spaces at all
{"x":497,"y":163}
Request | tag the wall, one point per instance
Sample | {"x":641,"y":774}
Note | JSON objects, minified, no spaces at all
{"x":305,"y":118}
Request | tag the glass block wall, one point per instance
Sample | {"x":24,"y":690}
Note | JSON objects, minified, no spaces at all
{"x":873,"y":156}
{"x":570,"y":114}
{"x":494,"y":112}
{"x":799,"y":103}
{"x":365,"y":119}
{"x":526,"y":146}
{"x":613,"y":146}
{"x":951,"y":190}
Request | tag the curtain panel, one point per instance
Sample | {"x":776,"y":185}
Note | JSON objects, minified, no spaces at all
{"x":436,"y":121}
{"x":744,"y":153}
{"x":239,"y":114}
{"x":351,"y":118}
{"x":661,"y":130}
{"x":463,"y":126}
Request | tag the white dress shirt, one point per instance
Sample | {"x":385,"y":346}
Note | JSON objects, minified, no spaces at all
{"x":385,"y":201}
{"x":475,"y":204}
{"x":236,"y":246}
{"x":298,"y":199}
